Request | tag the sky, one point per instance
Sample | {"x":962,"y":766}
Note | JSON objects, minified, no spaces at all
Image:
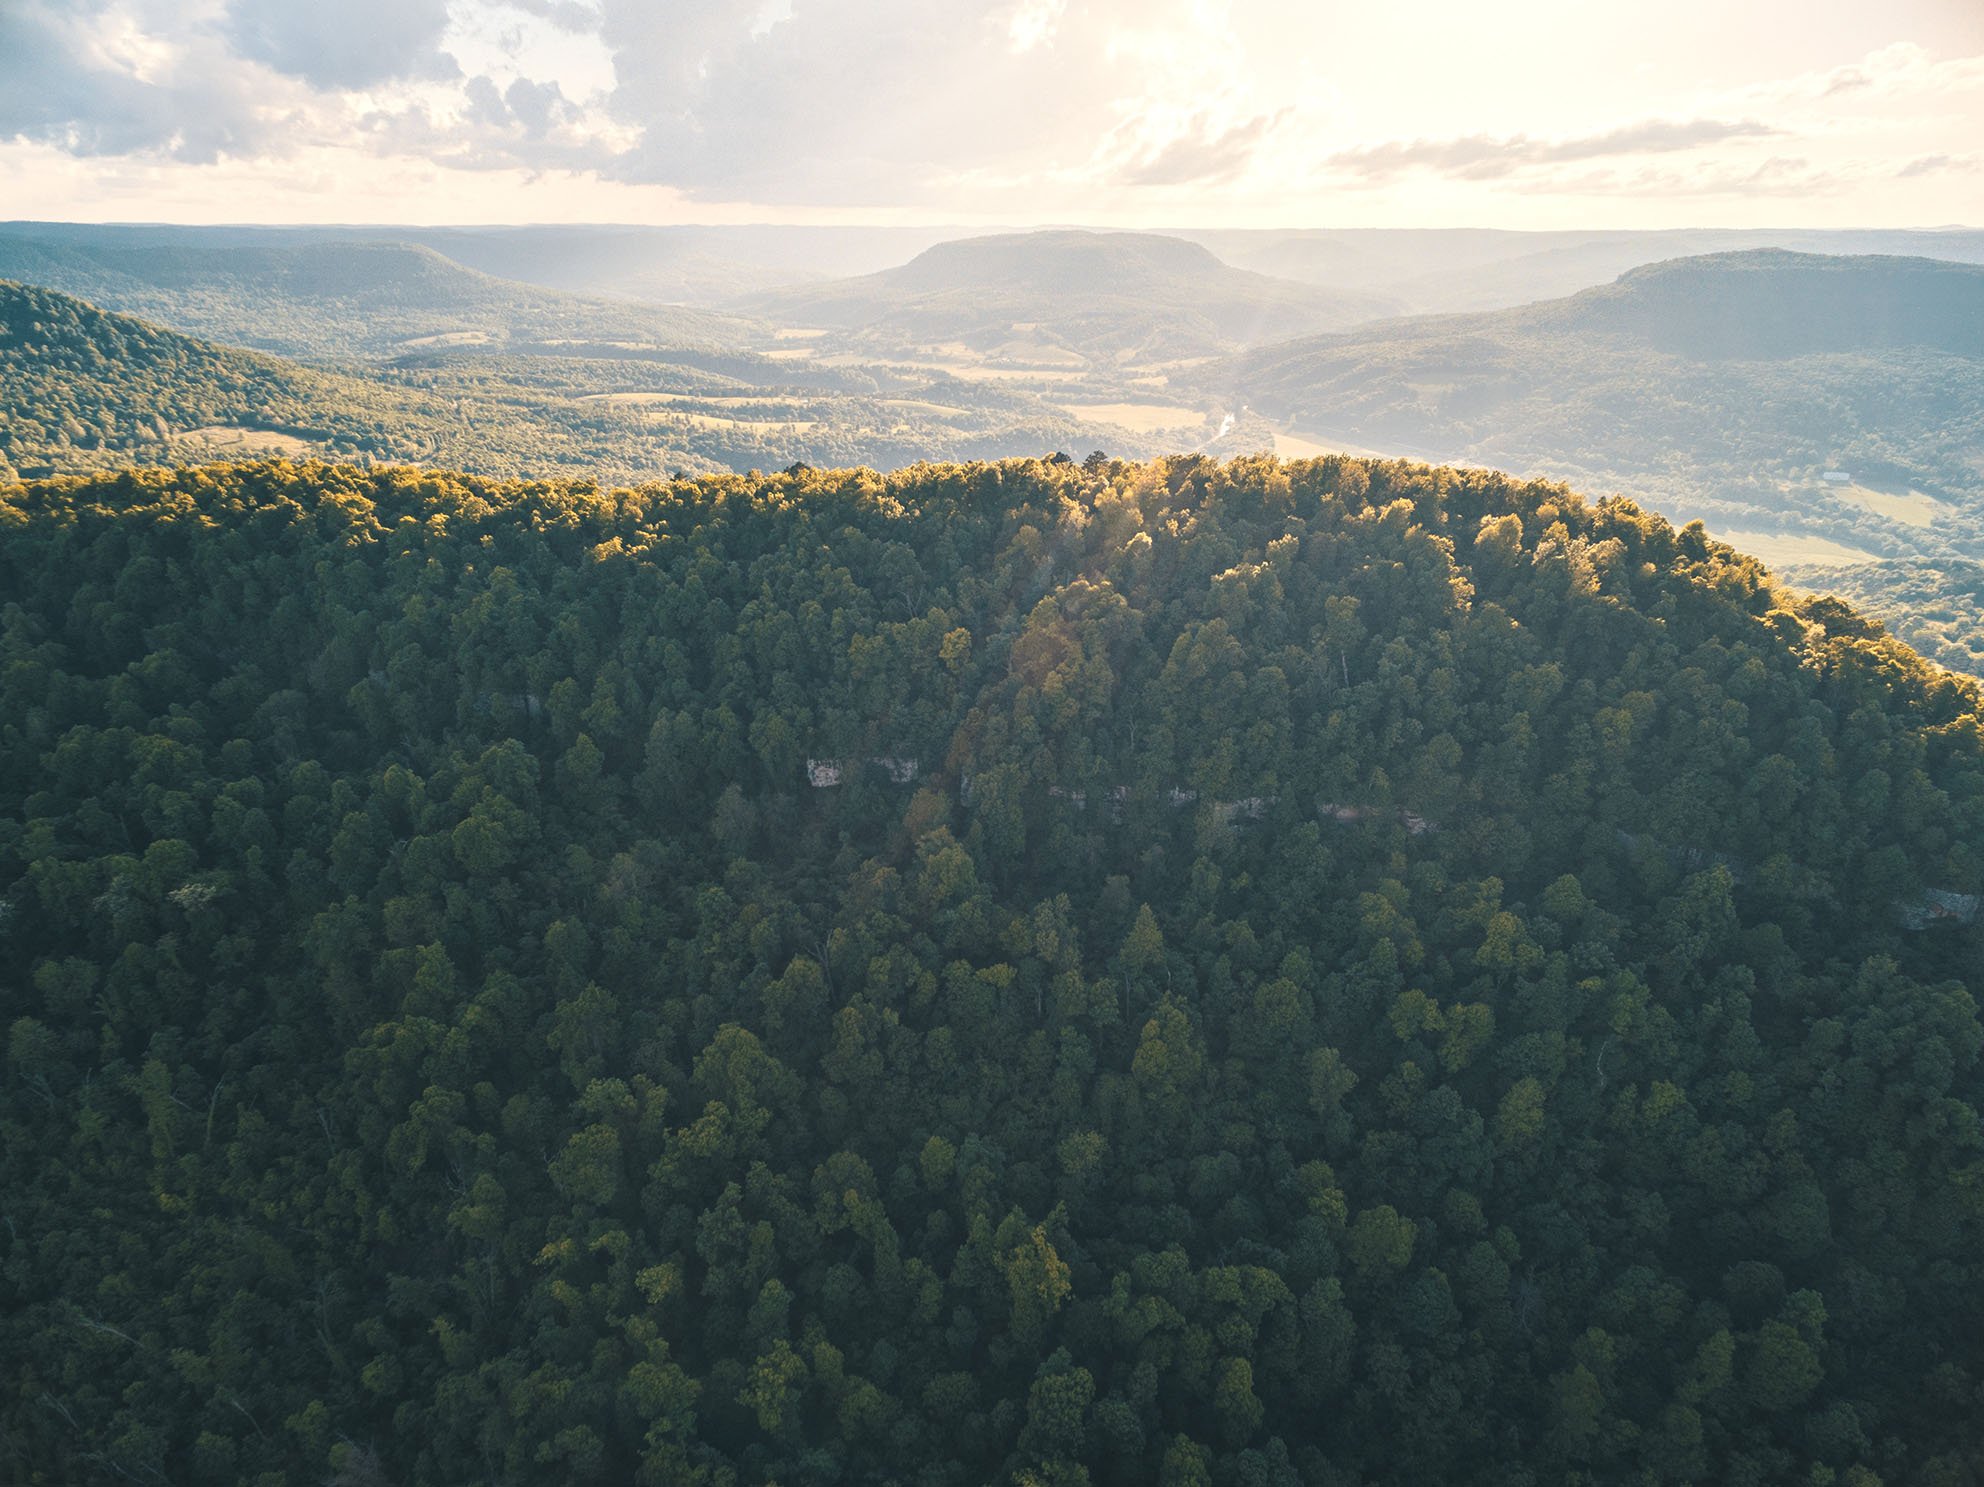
{"x":1267,"y":113}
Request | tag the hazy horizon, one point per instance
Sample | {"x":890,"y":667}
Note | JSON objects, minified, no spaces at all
{"x":938,"y":224}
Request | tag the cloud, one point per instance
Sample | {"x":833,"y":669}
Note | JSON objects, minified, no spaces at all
{"x":1203,"y":153}
{"x":1901,"y":71}
{"x":349,"y":44}
{"x":1930,"y":165}
{"x":1482,"y":157}
{"x":1033,"y":23}
{"x":859,"y":101}
{"x":1030,"y":109}
{"x":1791,"y":177}
{"x":566,"y":15}
{"x":537,"y":106}
{"x":91,"y":79}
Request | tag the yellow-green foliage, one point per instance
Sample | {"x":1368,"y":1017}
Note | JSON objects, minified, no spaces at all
{"x":1381,"y":974}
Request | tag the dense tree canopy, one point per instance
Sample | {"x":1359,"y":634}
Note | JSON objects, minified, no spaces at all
{"x":1035,"y":973}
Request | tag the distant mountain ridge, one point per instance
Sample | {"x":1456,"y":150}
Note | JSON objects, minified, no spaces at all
{"x":1770,"y":303}
{"x":1102,"y":296}
{"x":1722,"y":386}
{"x":1064,"y":262}
{"x":1422,"y":270}
{"x":679,"y":264}
{"x":340,"y":298}
{"x":1462,"y":270}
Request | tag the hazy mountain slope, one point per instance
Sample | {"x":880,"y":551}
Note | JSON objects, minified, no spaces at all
{"x":1771,"y":305}
{"x":1423,"y":270}
{"x":698,"y":265}
{"x":1101,"y":298}
{"x":1459,"y":269}
{"x":1235,"y":975}
{"x":692,"y":264}
{"x":1723,"y":385}
{"x":1586,"y":260}
{"x":1372,"y":259}
{"x":81,"y":388}
{"x":84,"y":389}
{"x":343,"y":298}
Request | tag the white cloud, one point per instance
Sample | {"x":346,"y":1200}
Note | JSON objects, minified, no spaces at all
{"x":1485,"y":157}
{"x":1901,"y":71}
{"x":1103,"y":110}
{"x":1033,"y":23}
{"x":348,"y":45}
{"x":96,"y":78}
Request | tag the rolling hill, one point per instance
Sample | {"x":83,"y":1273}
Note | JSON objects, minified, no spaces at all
{"x":1723,"y":386}
{"x":1771,"y":305}
{"x":1447,"y":270}
{"x":1421,"y":270}
{"x":81,"y":388}
{"x":85,"y":389}
{"x":352,"y":298}
{"x":680,"y":264}
{"x":694,"y":265}
{"x":1028,"y":974}
{"x":1064,"y":299}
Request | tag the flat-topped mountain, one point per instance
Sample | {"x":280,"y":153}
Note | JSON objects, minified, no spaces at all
{"x":1093,"y":296}
{"x":1063,"y":263}
{"x":1729,"y":386}
{"x":1770,"y":304}
{"x":1449,"y":270}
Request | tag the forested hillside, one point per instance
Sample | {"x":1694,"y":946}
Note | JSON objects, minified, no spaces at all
{"x":1723,"y":387}
{"x":81,"y":389}
{"x":1020,"y":973}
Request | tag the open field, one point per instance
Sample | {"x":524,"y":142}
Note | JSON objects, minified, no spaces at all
{"x":1291,"y":448}
{"x":222,"y":441}
{"x":1142,"y":418}
{"x":1910,"y":507}
{"x":451,"y":338}
{"x":1315,"y":446}
{"x":1778,"y":548}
